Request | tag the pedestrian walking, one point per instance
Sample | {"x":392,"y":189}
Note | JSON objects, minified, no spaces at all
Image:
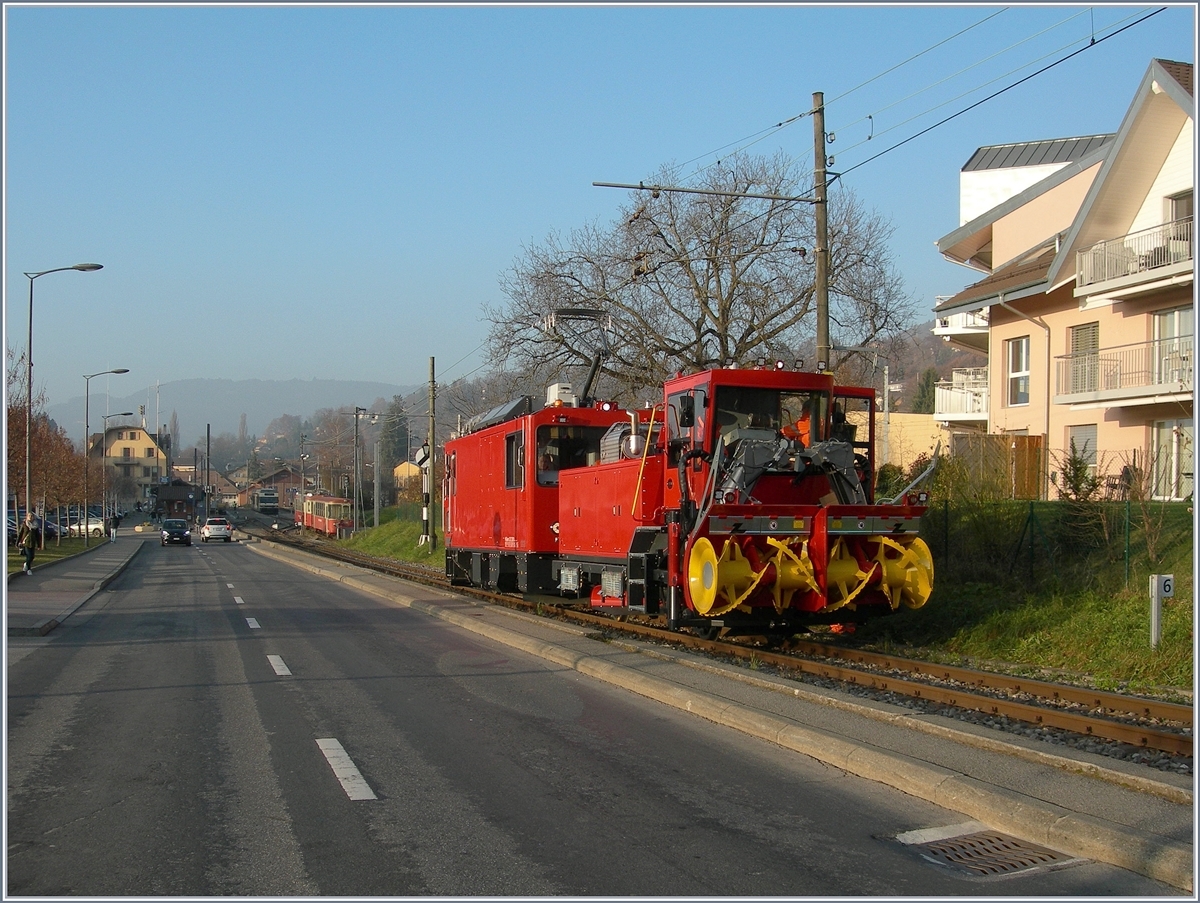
{"x":115,"y":522}
{"x":29,"y":538}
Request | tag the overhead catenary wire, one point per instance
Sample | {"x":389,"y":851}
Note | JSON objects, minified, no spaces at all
{"x":996,"y":94}
{"x":970,"y":91}
{"x":756,"y":137}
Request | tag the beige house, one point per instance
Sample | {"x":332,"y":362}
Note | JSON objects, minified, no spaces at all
{"x":132,"y":453}
{"x":1086,"y":312}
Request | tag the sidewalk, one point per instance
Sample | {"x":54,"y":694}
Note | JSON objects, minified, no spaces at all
{"x":37,"y":604}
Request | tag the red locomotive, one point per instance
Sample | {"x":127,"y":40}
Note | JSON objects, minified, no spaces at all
{"x":326,"y":514}
{"x":743,"y":500}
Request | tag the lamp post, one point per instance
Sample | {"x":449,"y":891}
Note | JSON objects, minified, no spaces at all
{"x":87,"y":457}
{"x":83,"y":268}
{"x":302,"y":496}
{"x":356,"y":500}
{"x":103,"y":469}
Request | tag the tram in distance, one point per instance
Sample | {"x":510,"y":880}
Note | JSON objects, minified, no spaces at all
{"x":326,"y":514}
{"x":743,"y":500}
{"x":265,"y":500}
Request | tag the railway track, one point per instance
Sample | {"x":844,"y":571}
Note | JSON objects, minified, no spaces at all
{"x":1139,"y":722}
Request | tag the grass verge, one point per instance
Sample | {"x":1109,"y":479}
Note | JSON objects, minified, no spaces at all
{"x":1077,"y":620}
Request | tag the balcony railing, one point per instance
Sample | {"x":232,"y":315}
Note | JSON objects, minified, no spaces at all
{"x":1124,"y":371}
{"x":1138,"y":252}
{"x":962,"y":397}
{"x":974,"y":320}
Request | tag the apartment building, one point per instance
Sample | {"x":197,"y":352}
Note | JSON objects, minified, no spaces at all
{"x":1086,"y":308}
{"x":132,"y":454}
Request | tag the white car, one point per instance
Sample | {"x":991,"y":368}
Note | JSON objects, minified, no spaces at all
{"x":216,"y":528}
{"x":92,"y":524}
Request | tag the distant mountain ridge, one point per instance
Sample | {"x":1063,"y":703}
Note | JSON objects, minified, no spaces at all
{"x":220,"y":403}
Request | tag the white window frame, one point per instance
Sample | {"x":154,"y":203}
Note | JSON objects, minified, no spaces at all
{"x":1014,"y":376}
{"x":1084,"y":447}
{"x":1173,"y":460}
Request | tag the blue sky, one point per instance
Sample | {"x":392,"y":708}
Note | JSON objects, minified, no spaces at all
{"x":334,"y":191}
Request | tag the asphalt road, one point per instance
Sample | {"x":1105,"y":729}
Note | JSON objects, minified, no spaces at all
{"x":219,"y":723}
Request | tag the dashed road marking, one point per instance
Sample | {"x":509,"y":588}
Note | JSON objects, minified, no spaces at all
{"x":253,"y":622}
{"x":239,"y":600}
{"x":280,"y":668}
{"x":348,"y":776}
{"x":230,"y":585}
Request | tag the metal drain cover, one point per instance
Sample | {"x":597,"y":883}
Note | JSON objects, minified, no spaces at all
{"x":979,"y":852}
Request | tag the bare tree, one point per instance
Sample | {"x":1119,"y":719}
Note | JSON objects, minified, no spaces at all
{"x":695,"y":281}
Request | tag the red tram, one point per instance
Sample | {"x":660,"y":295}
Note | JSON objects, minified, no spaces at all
{"x":326,"y":514}
{"x":743,"y":500}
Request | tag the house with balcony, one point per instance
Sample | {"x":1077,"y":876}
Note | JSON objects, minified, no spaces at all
{"x":133,"y":460}
{"x":1086,"y":308}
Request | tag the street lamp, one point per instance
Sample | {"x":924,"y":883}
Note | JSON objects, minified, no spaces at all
{"x":87,"y":435}
{"x":357,"y":499}
{"x":302,"y":495}
{"x":103,"y":469}
{"x":83,"y":268}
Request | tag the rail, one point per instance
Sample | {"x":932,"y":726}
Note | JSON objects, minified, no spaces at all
{"x":1138,"y":252}
{"x":1159,"y":364}
{"x":1041,"y":703}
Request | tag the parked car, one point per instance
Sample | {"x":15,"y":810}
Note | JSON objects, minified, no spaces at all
{"x":175,"y":530}
{"x":216,"y":528}
{"x":93,"y":525}
{"x":49,"y":528}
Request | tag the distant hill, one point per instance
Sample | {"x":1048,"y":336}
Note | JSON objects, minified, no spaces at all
{"x":221,"y":403}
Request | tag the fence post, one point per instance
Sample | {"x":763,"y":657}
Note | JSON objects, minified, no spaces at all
{"x":1031,"y":522}
{"x":946,"y":530}
{"x":1127,"y":543}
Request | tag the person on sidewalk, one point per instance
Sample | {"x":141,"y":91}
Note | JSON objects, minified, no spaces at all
{"x":114,"y":523}
{"x":28,"y":539}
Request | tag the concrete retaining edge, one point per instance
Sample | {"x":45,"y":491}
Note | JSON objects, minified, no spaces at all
{"x":1033,"y":820}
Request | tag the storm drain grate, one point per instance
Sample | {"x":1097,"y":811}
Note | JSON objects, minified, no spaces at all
{"x":984,"y":853}
{"x":989,"y":853}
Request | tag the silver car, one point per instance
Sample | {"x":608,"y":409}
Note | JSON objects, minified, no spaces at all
{"x":216,"y":528}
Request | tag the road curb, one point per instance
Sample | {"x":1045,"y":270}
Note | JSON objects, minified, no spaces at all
{"x":1035,"y":820}
{"x":41,"y":628}
{"x":58,"y":561}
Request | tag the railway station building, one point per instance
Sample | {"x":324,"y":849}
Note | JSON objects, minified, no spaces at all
{"x":1085,"y":309}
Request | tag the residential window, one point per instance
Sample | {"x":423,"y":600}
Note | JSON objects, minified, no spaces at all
{"x":1173,"y":345}
{"x":127,"y":452}
{"x":1085,"y":357}
{"x":1173,"y":459}
{"x":150,"y":453}
{"x":1017,"y":356}
{"x":1179,"y":207}
{"x":1081,"y":441}
{"x":514,"y":460}
{"x":145,"y":471}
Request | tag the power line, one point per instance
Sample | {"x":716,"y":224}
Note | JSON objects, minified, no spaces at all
{"x":917,"y":56}
{"x":1001,"y":91}
{"x":951,"y":100}
{"x":973,"y":65}
{"x":756,"y":137}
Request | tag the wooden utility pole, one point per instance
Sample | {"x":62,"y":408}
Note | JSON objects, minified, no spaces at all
{"x":821,"y":252}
